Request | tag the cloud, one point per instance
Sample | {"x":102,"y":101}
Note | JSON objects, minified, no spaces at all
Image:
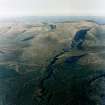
{"x":51,"y":7}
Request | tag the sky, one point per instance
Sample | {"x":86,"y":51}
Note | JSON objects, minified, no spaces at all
{"x":51,"y":7}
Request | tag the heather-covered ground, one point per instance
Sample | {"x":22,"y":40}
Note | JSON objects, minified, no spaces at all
{"x":52,"y":62}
